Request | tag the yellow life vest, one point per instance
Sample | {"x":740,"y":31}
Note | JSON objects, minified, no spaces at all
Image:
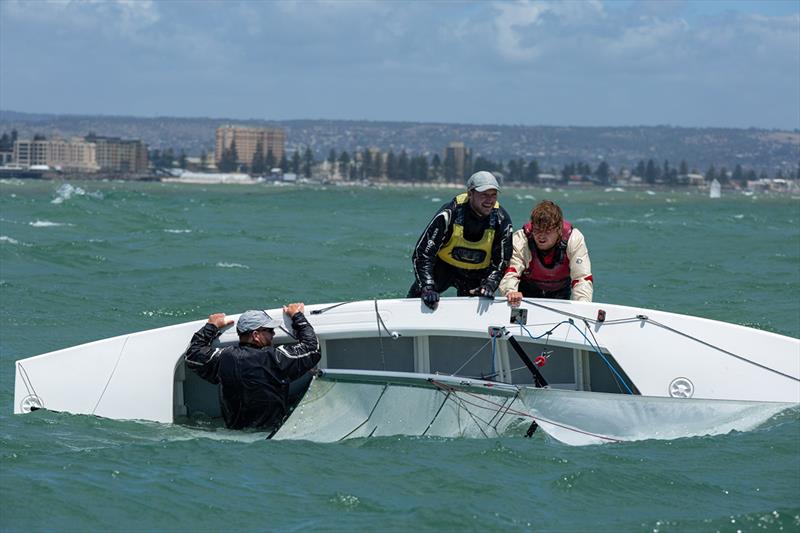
{"x":469,"y":255}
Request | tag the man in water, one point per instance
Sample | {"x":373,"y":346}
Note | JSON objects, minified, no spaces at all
{"x":253,"y":377}
{"x":550,"y":259}
{"x":466,"y":245}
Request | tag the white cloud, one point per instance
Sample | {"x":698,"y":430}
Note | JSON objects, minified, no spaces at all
{"x":121,"y":16}
{"x":357,"y":55}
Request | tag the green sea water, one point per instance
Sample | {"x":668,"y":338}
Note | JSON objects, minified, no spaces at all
{"x":89,"y":260}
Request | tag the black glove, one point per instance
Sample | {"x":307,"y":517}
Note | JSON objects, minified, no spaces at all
{"x":430,"y":297}
{"x":486,"y":290}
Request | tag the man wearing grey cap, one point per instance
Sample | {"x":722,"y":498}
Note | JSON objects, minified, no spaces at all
{"x":258,"y":384}
{"x":467,"y":245}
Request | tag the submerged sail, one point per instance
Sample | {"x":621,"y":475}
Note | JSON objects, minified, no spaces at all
{"x":579,"y":418}
{"x":349,"y":404}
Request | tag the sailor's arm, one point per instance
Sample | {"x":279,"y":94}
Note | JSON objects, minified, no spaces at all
{"x":520,"y":257}
{"x":297,"y":359}
{"x":501,"y":252}
{"x":200,"y":356}
{"x":428,"y":245}
{"x":580,"y":267}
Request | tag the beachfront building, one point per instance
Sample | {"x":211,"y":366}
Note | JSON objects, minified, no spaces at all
{"x":119,"y":155}
{"x":455,"y":159}
{"x":247,"y":142}
{"x":73,"y":154}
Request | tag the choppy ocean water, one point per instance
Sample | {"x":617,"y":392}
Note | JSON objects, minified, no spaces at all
{"x":89,"y":260}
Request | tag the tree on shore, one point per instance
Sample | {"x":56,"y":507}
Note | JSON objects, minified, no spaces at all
{"x":403,"y":166}
{"x":391,"y":165}
{"x":308,"y":162}
{"x":436,"y":167}
{"x":651,"y":172}
{"x":296,"y":162}
{"x":257,"y":164}
{"x":532,"y":171}
{"x":603,"y":173}
{"x":449,"y":167}
{"x":344,"y":164}
{"x":269,"y":161}
{"x":711,"y":174}
{"x":418,"y":168}
{"x":229,"y":162}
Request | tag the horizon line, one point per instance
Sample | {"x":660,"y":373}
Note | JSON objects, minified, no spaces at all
{"x":377,"y":121}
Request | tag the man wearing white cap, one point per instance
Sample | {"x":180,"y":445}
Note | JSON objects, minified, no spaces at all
{"x":467,"y":245}
{"x":254,"y":377}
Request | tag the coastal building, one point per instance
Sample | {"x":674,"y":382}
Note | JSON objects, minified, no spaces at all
{"x":119,"y":155}
{"x":455,"y":158}
{"x":73,"y":154}
{"x":247,"y":141}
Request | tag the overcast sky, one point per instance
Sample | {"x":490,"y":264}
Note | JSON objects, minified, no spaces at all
{"x":584,"y":63}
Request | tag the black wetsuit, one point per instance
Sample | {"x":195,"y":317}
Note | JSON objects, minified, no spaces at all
{"x":431,"y":271}
{"x":254,"y":383}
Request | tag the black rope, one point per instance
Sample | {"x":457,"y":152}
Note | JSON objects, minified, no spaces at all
{"x":475,"y":418}
{"x":334,"y":306}
{"x":437,"y":412}
{"x":385,"y":387}
{"x":503,"y":411}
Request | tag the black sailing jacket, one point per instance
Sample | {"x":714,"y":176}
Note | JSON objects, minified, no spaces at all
{"x":439,"y":231}
{"x":253,"y":382}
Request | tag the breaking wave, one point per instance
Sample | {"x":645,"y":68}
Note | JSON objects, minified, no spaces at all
{"x":67,"y":191}
{"x":47,"y":224}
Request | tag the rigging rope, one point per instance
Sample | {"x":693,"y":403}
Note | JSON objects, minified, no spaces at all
{"x":380,"y":337}
{"x":471,"y":358}
{"x":452,"y":390}
{"x":645,"y":318}
{"x":594,"y":346}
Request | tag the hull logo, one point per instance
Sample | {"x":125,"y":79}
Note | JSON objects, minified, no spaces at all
{"x":681,"y":388}
{"x":30,"y":403}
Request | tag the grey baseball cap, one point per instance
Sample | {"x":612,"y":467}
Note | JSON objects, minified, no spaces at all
{"x":482,"y":181}
{"x":253,"y":320}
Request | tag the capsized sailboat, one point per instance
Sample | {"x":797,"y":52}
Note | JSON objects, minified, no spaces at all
{"x":472,"y":346}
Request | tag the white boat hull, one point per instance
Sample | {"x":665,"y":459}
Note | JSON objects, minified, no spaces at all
{"x":655,"y":353}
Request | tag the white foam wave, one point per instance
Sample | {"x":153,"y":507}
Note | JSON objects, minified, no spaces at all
{"x":232,"y":265}
{"x":177,"y":231}
{"x":46,"y":224}
{"x":9,"y":240}
{"x":67,"y":191}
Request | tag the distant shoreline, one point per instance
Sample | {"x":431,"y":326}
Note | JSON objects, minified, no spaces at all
{"x":379,"y":184}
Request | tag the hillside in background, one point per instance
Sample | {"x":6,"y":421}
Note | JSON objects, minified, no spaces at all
{"x":551,"y":146}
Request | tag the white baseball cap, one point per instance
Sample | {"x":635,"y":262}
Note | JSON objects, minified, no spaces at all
{"x":482,"y":181}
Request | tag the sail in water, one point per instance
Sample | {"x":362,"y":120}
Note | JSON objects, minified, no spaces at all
{"x":580,"y":418}
{"x":715,"y":191}
{"x":346,"y":404}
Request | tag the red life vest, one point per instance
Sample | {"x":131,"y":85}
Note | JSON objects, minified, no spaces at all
{"x":550,"y":273}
